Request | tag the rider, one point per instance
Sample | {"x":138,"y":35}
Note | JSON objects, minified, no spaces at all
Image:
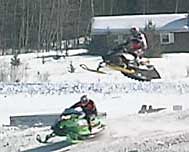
{"x":137,"y":42}
{"x":89,"y":108}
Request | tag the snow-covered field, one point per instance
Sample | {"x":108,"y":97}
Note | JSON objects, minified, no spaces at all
{"x":50,"y":88}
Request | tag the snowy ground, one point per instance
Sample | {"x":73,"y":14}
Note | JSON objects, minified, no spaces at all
{"x":50,"y":88}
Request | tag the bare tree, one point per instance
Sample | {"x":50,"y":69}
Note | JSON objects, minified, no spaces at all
{"x":39,"y":25}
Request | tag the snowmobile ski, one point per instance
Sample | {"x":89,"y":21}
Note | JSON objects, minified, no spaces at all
{"x":85,"y":67}
{"x":47,"y":137}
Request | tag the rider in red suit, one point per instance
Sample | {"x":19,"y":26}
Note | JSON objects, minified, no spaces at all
{"x":137,"y":42}
{"x":89,"y":108}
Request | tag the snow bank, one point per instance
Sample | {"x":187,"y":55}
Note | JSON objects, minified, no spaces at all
{"x":50,"y":88}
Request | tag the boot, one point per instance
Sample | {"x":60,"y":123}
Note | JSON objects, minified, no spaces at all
{"x":90,"y":128}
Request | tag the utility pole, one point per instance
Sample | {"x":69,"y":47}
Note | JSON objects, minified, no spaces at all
{"x":144,"y":6}
{"x":92,"y":8}
{"x":176,"y":7}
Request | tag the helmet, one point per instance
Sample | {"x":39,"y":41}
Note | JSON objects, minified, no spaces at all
{"x":84,"y":99}
{"x":134,"y":30}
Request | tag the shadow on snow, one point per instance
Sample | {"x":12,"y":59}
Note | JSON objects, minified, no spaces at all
{"x":49,"y":147}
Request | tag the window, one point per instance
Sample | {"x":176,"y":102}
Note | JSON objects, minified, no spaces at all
{"x":119,"y":39}
{"x":167,"y":38}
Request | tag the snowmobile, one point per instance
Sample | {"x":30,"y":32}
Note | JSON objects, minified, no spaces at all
{"x":73,"y":126}
{"x":120,"y":59}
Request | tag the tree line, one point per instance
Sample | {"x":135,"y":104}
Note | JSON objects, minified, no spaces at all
{"x":40,"y":24}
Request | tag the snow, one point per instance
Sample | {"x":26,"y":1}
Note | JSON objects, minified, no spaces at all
{"x":49,"y":88}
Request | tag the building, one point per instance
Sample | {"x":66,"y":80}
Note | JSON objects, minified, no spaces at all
{"x":165,"y":32}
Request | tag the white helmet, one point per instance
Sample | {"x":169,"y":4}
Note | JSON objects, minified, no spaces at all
{"x":134,"y":30}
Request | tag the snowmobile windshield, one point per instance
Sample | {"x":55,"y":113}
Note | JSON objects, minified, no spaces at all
{"x":71,"y":111}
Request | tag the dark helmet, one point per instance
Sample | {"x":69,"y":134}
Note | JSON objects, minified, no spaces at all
{"x":84,"y":99}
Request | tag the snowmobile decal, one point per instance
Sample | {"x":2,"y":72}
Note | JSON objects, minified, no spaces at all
{"x":121,"y":69}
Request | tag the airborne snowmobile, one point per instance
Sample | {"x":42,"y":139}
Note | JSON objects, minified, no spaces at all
{"x":120,"y":59}
{"x":73,"y":126}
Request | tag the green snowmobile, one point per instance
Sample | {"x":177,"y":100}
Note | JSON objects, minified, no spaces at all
{"x":73,"y":126}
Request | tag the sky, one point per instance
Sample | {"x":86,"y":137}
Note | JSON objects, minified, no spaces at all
{"x":50,"y":88}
